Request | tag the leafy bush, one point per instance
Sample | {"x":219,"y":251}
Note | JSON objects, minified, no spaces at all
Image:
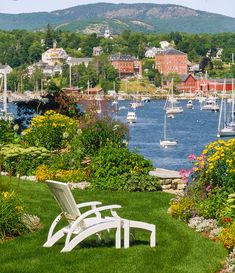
{"x":216,"y":166}
{"x":214,"y":206}
{"x":113,"y":166}
{"x":8,"y":134}
{"x":139,"y":182}
{"x":11,"y":211}
{"x":227,"y":236}
{"x":16,"y":158}
{"x":100,"y":132}
{"x":51,"y":130}
{"x":181,"y":208}
{"x":43,"y":173}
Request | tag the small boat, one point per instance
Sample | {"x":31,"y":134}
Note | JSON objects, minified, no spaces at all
{"x":167,"y":142}
{"x":136,"y":104}
{"x":145,"y":99}
{"x":189,"y":104}
{"x":210,"y":104}
{"x":131,"y":117}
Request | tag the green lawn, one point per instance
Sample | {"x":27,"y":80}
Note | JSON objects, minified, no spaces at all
{"x":179,"y":249}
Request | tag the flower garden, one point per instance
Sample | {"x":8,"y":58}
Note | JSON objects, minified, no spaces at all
{"x":93,"y":149}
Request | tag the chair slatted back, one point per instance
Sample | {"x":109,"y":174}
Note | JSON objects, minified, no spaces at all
{"x":65,"y":199}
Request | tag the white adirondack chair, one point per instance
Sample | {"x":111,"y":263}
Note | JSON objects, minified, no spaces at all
{"x":83,"y":225}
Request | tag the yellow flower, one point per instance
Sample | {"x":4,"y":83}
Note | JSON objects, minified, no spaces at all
{"x":5,"y":194}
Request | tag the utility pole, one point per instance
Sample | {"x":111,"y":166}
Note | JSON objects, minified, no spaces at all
{"x":70,"y":75}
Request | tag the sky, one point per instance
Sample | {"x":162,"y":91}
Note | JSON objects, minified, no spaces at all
{"x":225,"y":7}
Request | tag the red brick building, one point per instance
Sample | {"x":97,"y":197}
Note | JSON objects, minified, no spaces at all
{"x":171,"y":61}
{"x":126,"y":65}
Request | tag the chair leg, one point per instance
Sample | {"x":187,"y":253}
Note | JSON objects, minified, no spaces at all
{"x":53,"y":239}
{"x":126,"y":226}
{"x":153,"y":238}
{"x":118,"y":237}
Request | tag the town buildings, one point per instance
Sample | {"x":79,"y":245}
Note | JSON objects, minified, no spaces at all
{"x":171,"y":61}
{"x":127,"y":66}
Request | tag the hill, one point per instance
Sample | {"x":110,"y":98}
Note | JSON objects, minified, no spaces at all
{"x":143,"y":17}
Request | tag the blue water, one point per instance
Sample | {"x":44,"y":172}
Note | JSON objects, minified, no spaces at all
{"x":193,"y":128}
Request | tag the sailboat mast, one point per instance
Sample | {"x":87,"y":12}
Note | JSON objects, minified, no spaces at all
{"x":164,"y":132}
{"x":233,"y":102}
{"x":221,"y":111}
{"x":5,"y":94}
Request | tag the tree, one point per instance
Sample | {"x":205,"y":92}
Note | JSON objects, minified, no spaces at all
{"x":49,"y":38}
{"x":35,"y":51}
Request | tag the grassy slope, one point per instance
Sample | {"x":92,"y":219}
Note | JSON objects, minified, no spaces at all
{"x":179,"y":249}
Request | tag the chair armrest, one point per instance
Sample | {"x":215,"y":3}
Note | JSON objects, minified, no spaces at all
{"x":87,"y":204}
{"x":93,"y":211}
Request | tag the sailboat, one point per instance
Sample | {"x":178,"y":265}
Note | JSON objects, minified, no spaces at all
{"x":5,"y":115}
{"x":226,"y":128}
{"x":167,"y":142}
{"x":171,"y":102}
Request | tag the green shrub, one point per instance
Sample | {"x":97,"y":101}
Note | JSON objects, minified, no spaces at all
{"x":112,"y":166}
{"x":216,"y":166}
{"x":139,"y":182}
{"x":181,"y":208}
{"x":11,"y":211}
{"x":8,"y":133}
{"x":16,"y":158}
{"x":214,"y":206}
{"x":98,"y":133}
{"x":51,"y":130}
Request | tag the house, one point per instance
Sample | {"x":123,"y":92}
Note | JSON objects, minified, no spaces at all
{"x":151,"y":52}
{"x":97,"y":50}
{"x":172,"y":61}
{"x":127,"y":65}
{"x":54,"y":56}
{"x":5,"y":68}
{"x":48,"y":70}
{"x":188,"y":83}
{"x":77,"y":61}
{"x":93,"y":91}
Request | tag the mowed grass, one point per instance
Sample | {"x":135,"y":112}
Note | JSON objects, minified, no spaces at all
{"x":179,"y":249}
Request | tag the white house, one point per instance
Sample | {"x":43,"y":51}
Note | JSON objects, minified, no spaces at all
{"x":5,"y":68}
{"x":54,"y":56}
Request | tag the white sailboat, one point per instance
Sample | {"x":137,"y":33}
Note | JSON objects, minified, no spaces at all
{"x":5,"y":115}
{"x":210,"y":104}
{"x":167,"y":142}
{"x":226,"y":127}
{"x":171,"y":102}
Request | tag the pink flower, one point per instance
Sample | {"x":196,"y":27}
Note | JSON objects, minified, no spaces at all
{"x":191,"y":157}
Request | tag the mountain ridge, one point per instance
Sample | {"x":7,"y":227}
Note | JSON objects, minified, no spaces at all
{"x":143,"y":17}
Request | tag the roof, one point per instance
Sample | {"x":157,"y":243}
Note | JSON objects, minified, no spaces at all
{"x":121,"y":57}
{"x":171,"y":51}
{"x":184,"y":77}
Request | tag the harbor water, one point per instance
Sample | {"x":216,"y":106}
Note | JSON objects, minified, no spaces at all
{"x":193,"y":129}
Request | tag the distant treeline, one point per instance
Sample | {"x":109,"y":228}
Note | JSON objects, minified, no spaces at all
{"x":21,"y":47}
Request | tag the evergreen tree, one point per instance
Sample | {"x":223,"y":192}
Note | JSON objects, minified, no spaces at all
{"x":49,"y":38}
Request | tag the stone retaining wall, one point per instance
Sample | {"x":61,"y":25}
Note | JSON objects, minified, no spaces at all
{"x":171,"y":181}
